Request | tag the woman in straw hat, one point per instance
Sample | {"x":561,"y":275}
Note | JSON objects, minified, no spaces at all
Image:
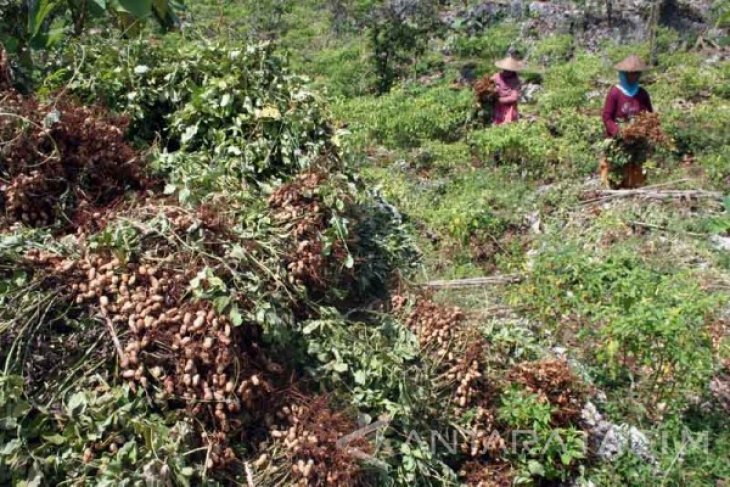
{"x":625,"y":100}
{"x":509,"y":89}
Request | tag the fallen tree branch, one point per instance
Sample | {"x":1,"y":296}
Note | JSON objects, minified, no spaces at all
{"x":115,"y":338}
{"x":609,"y":194}
{"x":664,"y":229}
{"x":493,"y":312}
{"x":474,"y":282}
{"x":669,"y":183}
{"x":249,"y":475}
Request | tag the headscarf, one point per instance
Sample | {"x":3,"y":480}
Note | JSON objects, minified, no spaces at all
{"x":629,"y":89}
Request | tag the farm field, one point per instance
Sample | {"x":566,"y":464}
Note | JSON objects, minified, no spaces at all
{"x":276,"y":243}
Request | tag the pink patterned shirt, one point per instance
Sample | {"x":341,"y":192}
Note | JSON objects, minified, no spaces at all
{"x":509,"y":89}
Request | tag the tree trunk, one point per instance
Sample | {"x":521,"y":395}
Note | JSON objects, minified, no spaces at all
{"x":653,"y":26}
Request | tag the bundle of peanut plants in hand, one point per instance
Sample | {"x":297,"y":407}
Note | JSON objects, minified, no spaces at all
{"x":637,"y":140}
{"x":485,"y":91}
{"x":645,"y":128}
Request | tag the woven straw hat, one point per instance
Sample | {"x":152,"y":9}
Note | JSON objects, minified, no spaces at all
{"x":510,"y":64}
{"x":632,"y":64}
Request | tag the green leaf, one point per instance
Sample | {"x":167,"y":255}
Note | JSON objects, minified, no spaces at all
{"x":184,"y":195}
{"x":10,"y":447}
{"x":340,"y":367}
{"x":20,"y":278}
{"x":10,"y":43}
{"x":349,"y":262}
{"x":35,"y":477}
{"x":360,"y":377}
{"x":51,"y":118}
{"x":237,"y":252}
{"x":236,"y":317}
{"x":216,"y":283}
{"x":55,"y":439}
{"x":535,"y":468}
{"x":137,"y":8}
{"x":77,"y":404}
{"x":41,"y":11}
{"x":311,"y":327}
{"x":97,"y":7}
{"x":189,"y":133}
{"x":221,"y":303}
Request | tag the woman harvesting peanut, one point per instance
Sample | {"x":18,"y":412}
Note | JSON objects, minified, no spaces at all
{"x":625,"y":101}
{"x":508,"y":90}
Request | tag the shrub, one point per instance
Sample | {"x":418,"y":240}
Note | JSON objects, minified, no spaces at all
{"x":398,"y":30}
{"x":646,"y":324}
{"x":527,"y":145}
{"x":108,"y":434}
{"x":568,"y":85}
{"x":407,"y":118}
{"x":443,"y":156}
{"x":549,"y":453}
{"x":236,"y":110}
{"x":491,"y":45}
{"x":716,"y":166}
{"x":687,"y":82}
{"x":555,"y":48}
{"x":577,"y":135}
{"x":343,"y":71}
{"x":722,"y":88}
{"x":701,"y":130}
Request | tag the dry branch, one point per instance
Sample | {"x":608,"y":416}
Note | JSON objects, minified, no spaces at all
{"x":474,"y":282}
{"x":664,"y":229}
{"x":608,"y":194}
{"x":115,"y":337}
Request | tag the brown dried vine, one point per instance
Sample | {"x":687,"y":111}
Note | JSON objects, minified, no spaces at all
{"x":61,"y":158}
{"x":298,"y":205}
{"x":553,"y":381}
{"x":485,"y":90}
{"x":458,"y":351}
{"x":182,"y":352}
{"x":645,"y":130}
{"x":479,"y":474}
{"x":310,"y":432}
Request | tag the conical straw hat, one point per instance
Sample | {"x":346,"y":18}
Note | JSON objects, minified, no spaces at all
{"x":510,"y":64}
{"x":632,"y":64}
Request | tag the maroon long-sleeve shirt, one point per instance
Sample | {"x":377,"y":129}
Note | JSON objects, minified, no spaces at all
{"x":621,"y":107}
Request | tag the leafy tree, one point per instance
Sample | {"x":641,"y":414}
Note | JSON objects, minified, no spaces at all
{"x":399,"y":30}
{"x":40,"y":24}
{"x":721,"y":10}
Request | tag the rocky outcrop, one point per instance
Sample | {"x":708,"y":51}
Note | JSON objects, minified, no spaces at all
{"x":611,"y":440}
{"x":591,"y":23}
